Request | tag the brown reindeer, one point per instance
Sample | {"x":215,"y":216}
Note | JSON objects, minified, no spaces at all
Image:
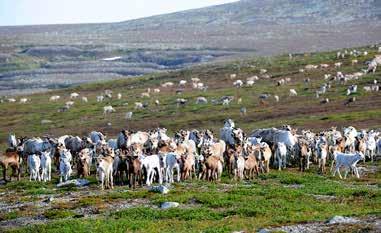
{"x":304,"y":155}
{"x":165,"y":147}
{"x":229,"y":158}
{"x":83,"y":165}
{"x":340,"y":144}
{"x":361,"y":146}
{"x":211,"y":168}
{"x":134,"y":167}
{"x":187,"y":162}
{"x":264,"y":158}
{"x":120,"y":166}
{"x":11,"y":159}
{"x":251,"y":164}
{"x":230,"y":155}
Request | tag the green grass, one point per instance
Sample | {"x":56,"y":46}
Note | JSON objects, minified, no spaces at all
{"x":9,"y":215}
{"x":230,"y":206}
{"x":58,"y":214}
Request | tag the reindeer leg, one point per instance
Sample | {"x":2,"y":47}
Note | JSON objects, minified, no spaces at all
{"x":5,"y":173}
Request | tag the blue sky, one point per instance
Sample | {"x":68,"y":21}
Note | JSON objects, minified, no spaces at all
{"x":27,"y":12}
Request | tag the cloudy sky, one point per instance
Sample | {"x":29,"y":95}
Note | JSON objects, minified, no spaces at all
{"x":27,"y":12}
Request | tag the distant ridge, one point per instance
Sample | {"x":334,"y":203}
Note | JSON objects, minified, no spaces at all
{"x":254,"y":12}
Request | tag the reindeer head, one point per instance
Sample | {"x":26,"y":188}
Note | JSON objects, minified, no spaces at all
{"x":229,"y":123}
{"x":137,"y":149}
{"x":207,"y":151}
{"x":237,"y":135}
{"x":109,"y":152}
{"x":60,"y":147}
{"x":178,"y":138}
{"x":286,"y":127}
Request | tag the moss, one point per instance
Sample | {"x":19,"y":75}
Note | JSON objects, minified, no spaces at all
{"x":58,"y":214}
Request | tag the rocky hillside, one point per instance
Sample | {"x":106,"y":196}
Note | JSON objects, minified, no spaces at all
{"x":251,"y":13}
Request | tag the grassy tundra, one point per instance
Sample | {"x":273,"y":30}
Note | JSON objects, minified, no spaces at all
{"x":279,"y":198}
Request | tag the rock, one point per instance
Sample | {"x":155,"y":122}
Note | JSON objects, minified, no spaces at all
{"x":263,"y":230}
{"x":341,"y":219}
{"x":167,"y":205}
{"x":323,"y":197}
{"x":367,"y":170}
{"x":294,"y":186}
{"x":46,"y":122}
{"x":49,"y":200}
{"x":159,"y":189}
{"x":3,"y":182}
{"x":76,"y":182}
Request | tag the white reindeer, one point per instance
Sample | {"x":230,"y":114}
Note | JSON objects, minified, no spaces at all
{"x":150,"y":163}
{"x":34,"y":167}
{"x":65,"y":166}
{"x":46,"y":166}
{"x":171,"y":164}
{"x":348,"y":161}
{"x":281,"y":155}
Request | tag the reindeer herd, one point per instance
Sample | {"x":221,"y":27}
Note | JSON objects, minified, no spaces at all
{"x":147,"y":157}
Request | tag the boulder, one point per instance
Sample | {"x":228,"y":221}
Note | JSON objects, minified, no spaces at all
{"x":76,"y":182}
{"x":167,"y":205}
{"x":49,"y":199}
{"x":159,"y":189}
{"x":263,"y":230}
{"x":341,"y":219}
{"x":43,"y":122}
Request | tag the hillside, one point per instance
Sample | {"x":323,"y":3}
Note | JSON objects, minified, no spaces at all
{"x":303,"y":111}
{"x":255,"y":12}
{"x":44,"y":57}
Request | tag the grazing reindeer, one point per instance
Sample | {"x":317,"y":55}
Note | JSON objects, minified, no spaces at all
{"x":229,"y":158}
{"x":212,"y":166}
{"x":84,"y":162}
{"x":348,"y":161}
{"x":251,"y":164}
{"x":322,"y":153}
{"x":264,"y":157}
{"x":304,"y":156}
{"x":46,"y":166}
{"x":239,"y":166}
{"x":134,"y":167}
{"x":188,"y":162}
{"x":65,"y":166}
{"x":105,"y":169}
{"x":211,"y":169}
{"x":281,"y":155}
{"x":11,"y":159}
{"x":34,"y":167}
